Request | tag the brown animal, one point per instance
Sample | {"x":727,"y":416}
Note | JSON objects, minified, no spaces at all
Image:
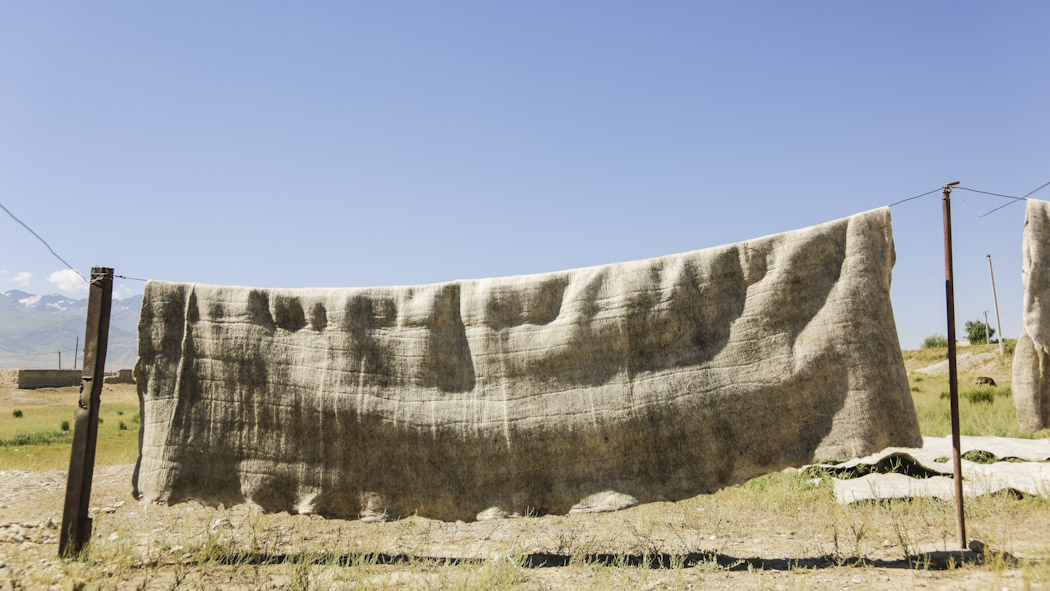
{"x":985,"y":381}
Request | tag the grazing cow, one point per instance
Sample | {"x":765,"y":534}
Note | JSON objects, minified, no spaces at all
{"x":985,"y":381}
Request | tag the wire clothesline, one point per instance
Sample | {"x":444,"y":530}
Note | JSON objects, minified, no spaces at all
{"x":1012,"y":198}
{"x":915,"y":197}
{"x":35,"y":354}
{"x":15,"y":218}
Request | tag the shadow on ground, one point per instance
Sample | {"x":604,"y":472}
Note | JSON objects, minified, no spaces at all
{"x":940,"y":560}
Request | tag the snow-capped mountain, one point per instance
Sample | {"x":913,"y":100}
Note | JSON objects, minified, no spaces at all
{"x":34,"y":328}
{"x":54,"y":302}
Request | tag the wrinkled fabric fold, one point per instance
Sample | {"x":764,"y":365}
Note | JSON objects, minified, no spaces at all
{"x":592,"y":389}
{"x":1031,"y":370}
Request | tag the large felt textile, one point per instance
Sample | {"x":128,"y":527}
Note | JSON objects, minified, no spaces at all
{"x":1031,"y":371}
{"x":584,"y":390}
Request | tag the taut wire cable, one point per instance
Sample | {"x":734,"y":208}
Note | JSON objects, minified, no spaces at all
{"x":15,"y":218}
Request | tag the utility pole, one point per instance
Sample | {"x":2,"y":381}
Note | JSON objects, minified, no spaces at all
{"x":76,"y":525}
{"x":953,"y":375}
{"x":995,"y":298}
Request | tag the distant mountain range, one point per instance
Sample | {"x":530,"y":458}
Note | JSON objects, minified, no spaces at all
{"x":34,"y":328}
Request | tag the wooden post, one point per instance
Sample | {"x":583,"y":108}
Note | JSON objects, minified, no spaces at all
{"x":953,"y":377}
{"x":76,"y":525}
{"x":995,"y":298}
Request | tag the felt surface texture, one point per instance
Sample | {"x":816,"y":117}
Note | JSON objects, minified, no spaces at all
{"x":592,"y":389}
{"x":1031,"y":370}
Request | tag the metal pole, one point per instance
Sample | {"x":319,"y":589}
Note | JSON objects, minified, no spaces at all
{"x":953,"y":378}
{"x":76,"y":525}
{"x":995,"y":298}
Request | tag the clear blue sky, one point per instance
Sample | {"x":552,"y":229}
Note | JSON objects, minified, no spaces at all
{"x":354,"y":144}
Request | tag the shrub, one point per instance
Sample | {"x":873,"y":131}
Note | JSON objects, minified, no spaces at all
{"x":120,"y":413}
{"x":65,"y":425}
{"x":1009,"y":345}
{"x":981,"y":395}
{"x":122,"y":426}
{"x":978,"y":332}
{"x":934,"y":341}
{"x":17,"y":413}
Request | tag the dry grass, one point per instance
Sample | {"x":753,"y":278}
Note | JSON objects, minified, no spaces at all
{"x":776,"y":532}
{"x":780,"y":531}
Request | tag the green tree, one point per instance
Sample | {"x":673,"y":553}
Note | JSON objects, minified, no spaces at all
{"x":978,"y":332}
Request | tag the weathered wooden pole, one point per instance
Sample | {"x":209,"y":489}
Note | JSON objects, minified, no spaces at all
{"x":953,"y":377}
{"x":76,"y":525}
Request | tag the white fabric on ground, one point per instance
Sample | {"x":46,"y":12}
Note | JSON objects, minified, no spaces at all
{"x":1031,"y":476}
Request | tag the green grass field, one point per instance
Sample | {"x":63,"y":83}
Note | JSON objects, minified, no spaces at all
{"x":977,"y":417}
{"x":36,"y":440}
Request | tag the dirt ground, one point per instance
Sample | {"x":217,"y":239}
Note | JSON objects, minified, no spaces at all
{"x":782,"y":531}
{"x":688,"y":545}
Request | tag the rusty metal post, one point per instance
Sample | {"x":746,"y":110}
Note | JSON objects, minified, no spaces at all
{"x":953,"y":378}
{"x":76,"y":525}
